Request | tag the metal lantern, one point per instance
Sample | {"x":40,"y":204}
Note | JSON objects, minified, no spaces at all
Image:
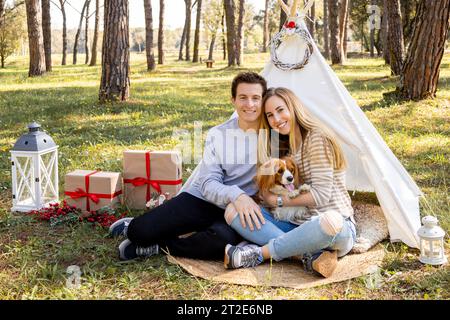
{"x":34,"y":163}
{"x":431,"y":242}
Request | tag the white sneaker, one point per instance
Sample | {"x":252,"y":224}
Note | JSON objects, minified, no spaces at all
{"x":245,"y":256}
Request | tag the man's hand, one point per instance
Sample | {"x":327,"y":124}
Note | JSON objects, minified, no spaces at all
{"x":249,"y":212}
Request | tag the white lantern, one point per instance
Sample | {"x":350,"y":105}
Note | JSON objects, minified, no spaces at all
{"x":34,"y":163}
{"x":431,"y":242}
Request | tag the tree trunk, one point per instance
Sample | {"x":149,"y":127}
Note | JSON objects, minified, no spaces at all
{"x":161,"y":33}
{"x":361,"y":29}
{"x":372,"y":42}
{"x":343,"y":12}
{"x":231,"y":31}
{"x":420,"y":74}
{"x":64,"y":35}
{"x":378,"y":44}
{"x":149,"y":35}
{"x":347,"y":18}
{"x":365,"y":41}
{"x":77,"y":36}
{"x":115,"y":81}
{"x":240,"y":34}
{"x":372,"y":34}
{"x":188,"y":29}
{"x":407,"y":21}
{"x":384,"y":33}
{"x":395,"y":36}
{"x":95,"y":39}
{"x":197,"y":31}
{"x":266,"y":27}
{"x":35,"y":39}
{"x":283,"y":16}
{"x":2,"y":11}
{"x":2,"y":7}
{"x":326,"y":31}
{"x":47,"y":34}
{"x":183,"y":38}
{"x":211,"y":46}
{"x":334,"y":32}
{"x":312,"y":22}
{"x":224,"y":43}
{"x":86,"y":34}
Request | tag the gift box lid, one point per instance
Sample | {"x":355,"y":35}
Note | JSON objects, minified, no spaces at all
{"x":175,"y":156}
{"x":164,"y":165}
{"x":103,"y":182}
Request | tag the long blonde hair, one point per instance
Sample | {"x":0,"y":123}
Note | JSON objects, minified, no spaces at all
{"x":306,"y":123}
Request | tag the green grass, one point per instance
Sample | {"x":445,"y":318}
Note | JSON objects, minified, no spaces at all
{"x":34,"y":257}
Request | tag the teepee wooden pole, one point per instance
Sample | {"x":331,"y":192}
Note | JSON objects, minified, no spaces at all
{"x":284,"y":7}
{"x":294,"y":9}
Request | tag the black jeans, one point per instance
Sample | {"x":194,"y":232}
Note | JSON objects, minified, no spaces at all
{"x":180,"y":215}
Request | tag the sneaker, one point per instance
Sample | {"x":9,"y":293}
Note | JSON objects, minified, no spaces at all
{"x":322,"y":263}
{"x":246,"y":256}
{"x":129,"y":251}
{"x":120,"y":227}
{"x":243,"y":243}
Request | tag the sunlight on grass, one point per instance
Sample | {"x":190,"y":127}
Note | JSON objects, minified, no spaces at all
{"x":34,"y":257}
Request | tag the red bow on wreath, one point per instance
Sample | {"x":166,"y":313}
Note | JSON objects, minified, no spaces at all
{"x":290,"y":24}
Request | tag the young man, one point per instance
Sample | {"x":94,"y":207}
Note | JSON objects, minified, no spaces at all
{"x":225,"y":176}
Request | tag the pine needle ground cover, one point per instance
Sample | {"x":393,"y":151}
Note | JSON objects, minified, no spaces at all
{"x":34,"y":256}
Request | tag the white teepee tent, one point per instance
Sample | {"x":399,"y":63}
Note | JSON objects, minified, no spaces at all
{"x":371,"y":164}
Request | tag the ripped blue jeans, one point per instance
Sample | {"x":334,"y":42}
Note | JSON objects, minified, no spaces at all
{"x":286,"y":239}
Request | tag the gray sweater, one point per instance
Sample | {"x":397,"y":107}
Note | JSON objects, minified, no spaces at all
{"x":228,"y":167}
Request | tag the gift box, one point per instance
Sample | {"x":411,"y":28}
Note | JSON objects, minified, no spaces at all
{"x":91,"y":190}
{"x":145,"y":172}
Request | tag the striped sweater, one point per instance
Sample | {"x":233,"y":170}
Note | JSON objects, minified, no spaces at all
{"x":327,"y":185}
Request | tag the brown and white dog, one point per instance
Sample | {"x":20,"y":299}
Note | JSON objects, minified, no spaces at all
{"x":281,"y":177}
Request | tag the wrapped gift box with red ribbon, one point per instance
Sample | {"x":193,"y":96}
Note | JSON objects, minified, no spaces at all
{"x":91,"y":190}
{"x":145,"y":172}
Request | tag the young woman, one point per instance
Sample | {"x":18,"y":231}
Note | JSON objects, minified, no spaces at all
{"x":327,"y":230}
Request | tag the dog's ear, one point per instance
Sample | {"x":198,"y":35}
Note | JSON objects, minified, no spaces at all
{"x":293,"y":168}
{"x":265,"y":178}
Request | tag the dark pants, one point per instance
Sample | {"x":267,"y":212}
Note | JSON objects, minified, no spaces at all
{"x":180,"y":215}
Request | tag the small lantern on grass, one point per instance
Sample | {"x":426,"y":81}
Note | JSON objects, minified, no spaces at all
{"x":431,"y":242}
{"x":34,"y":164}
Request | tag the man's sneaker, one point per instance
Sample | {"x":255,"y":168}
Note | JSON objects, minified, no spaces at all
{"x":246,"y":256}
{"x":323,"y":262}
{"x":120,"y":227}
{"x":129,"y":251}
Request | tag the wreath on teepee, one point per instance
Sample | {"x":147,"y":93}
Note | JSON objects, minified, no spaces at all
{"x":291,"y":29}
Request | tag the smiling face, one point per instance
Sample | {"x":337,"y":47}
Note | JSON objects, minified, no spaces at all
{"x":248,"y":102}
{"x":278,"y":115}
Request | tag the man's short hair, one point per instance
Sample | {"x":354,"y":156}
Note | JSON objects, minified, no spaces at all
{"x":247,"y":77}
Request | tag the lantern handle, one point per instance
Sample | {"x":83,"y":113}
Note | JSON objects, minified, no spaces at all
{"x":431,"y":211}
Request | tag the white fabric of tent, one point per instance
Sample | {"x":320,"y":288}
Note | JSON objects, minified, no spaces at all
{"x":372,"y":166}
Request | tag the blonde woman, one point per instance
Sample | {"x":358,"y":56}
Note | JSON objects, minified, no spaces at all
{"x":327,"y":230}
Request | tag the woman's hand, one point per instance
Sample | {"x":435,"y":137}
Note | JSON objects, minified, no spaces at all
{"x":269,"y":199}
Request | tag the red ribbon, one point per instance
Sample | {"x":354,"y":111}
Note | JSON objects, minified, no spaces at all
{"x":80,"y":193}
{"x":156,"y":184}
